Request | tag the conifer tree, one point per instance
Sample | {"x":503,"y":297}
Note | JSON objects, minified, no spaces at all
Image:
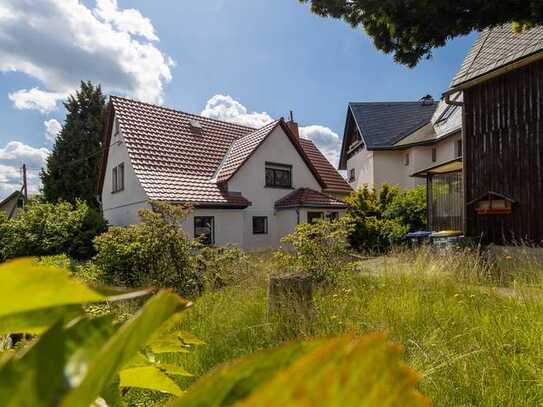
{"x":72,"y":167}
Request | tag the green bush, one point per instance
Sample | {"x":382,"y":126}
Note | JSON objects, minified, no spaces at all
{"x":154,"y":252}
{"x":318,"y":249}
{"x":379,"y":219}
{"x":44,"y":229}
{"x":219,"y":267}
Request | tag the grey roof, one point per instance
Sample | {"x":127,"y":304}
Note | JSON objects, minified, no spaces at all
{"x":497,"y":47}
{"x":383,"y":124}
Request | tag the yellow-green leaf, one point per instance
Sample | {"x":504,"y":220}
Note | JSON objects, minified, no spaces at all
{"x":123,"y":346}
{"x":346,"y":371}
{"x":149,"y":377}
{"x":28,"y":285}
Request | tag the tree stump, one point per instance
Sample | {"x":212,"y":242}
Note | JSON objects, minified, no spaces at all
{"x":291,"y":297}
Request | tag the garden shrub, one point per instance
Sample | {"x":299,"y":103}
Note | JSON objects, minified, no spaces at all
{"x":221,"y":266}
{"x":318,"y":249}
{"x":155,"y":252}
{"x":43,"y":229}
{"x":379,"y":219}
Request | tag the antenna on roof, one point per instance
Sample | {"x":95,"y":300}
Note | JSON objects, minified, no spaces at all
{"x":291,"y":116}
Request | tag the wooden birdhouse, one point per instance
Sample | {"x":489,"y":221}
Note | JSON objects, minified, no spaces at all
{"x":493,"y":203}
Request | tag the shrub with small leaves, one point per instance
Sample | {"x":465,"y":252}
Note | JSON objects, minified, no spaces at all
{"x":44,"y":229}
{"x":219,"y":267}
{"x":318,"y":249}
{"x":155,"y":252}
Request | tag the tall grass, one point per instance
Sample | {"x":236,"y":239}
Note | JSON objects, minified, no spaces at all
{"x":473,"y":344}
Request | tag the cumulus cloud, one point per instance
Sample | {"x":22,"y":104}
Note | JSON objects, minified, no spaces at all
{"x":36,"y":99}
{"x":226,"y":108}
{"x":61,"y":42}
{"x":52,"y":128}
{"x":12,"y":157}
{"x":325,"y":139}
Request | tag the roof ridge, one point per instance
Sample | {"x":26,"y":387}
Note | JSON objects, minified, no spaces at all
{"x":391,"y":102}
{"x":171,"y":109}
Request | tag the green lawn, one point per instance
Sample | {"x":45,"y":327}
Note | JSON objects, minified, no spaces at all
{"x":472,"y":344}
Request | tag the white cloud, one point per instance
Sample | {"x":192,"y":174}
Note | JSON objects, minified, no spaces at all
{"x":35,"y":99}
{"x":52,"y":128}
{"x":61,"y":42}
{"x":325,"y":139}
{"x":224,"y":107}
{"x":12,"y":157}
{"x":128,"y":20}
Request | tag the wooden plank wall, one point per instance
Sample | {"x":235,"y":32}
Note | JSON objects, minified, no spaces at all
{"x":504,"y":154}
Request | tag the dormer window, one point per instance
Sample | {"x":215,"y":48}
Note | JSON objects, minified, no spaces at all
{"x":278,"y":175}
{"x":196,"y":127}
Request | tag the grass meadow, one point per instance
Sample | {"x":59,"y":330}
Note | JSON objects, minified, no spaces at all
{"x":473,"y":331}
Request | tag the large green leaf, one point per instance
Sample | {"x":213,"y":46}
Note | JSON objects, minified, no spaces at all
{"x":123,"y":346}
{"x":36,"y":377}
{"x":28,"y":285}
{"x":345,"y":371}
{"x":37,"y":321}
{"x":149,"y":377}
{"x":235,"y":381}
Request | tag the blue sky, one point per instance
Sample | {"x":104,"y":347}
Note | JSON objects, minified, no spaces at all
{"x":268,"y":56}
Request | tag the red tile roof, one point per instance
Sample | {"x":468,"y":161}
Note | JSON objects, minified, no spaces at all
{"x":333,"y":181}
{"x":306,"y":197}
{"x":175,"y":164}
{"x":241,"y":150}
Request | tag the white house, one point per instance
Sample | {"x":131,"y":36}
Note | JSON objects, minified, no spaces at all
{"x":248,"y":187}
{"x":390,"y":142}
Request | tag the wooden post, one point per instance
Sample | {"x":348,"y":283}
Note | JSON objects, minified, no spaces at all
{"x":291,"y":295}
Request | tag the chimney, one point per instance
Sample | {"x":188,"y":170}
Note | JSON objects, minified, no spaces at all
{"x":427,"y":100}
{"x":293,"y":126}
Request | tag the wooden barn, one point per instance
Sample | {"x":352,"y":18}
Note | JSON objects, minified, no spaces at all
{"x":501,"y":81}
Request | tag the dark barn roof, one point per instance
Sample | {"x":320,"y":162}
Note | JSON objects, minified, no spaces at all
{"x":383,"y":124}
{"x":497,"y":47}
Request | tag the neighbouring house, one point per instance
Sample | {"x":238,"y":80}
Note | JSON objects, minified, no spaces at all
{"x":501,"y":81}
{"x":12,"y":204}
{"x":388,"y":142}
{"x":248,"y":187}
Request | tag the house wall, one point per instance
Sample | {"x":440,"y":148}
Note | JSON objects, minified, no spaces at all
{"x":121,"y":208}
{"x":374,"y":168}
{"x":250,"y":181}
{"x":363,"y":164}
{"x":503,"y":144}
{"x":228,"y":225}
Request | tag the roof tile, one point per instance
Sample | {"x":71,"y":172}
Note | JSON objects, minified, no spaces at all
{"x":306,"y":197}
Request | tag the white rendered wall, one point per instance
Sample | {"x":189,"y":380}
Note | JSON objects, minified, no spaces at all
{"x":362,"y":162}
{"x":121,"y":208}
{"x":250,"y":180}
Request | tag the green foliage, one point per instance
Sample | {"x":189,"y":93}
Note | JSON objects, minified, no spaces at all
{"x":336,"y":372}
{"x":411,"y":31}
{"x":44,"y":229}
{"x":154,"y":252}
{"x":409,"y":207}
{"x":318,"y":249}
{"x":220,"y":266}
{"x":379,"y":219}
{"x":72,"y":167}
{"x":79,"y":359}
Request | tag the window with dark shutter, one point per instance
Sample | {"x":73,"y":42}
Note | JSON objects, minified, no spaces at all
{"x":434,"y":154}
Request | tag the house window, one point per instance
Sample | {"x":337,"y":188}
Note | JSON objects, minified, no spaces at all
{"x":459,"y":148}
{"x":278,"y":175}
{"x":312,"y":217}
{"x":117,"y":179}
{"x":406,"y":159}
{"x":204,"y":229}
{"x":260,"y":225}
{"x":434,"y":154}
{"x":352,"y":175}
{"x":116,"y":128}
